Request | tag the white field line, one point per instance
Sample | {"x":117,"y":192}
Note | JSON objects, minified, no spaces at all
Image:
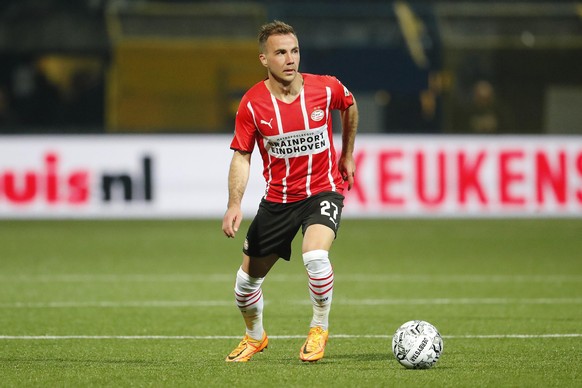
{"x":229,"y":337}
{"x":337,"y":301}
{"x":367,"y":278}
{"x":111,"y":304}
{"x":457,"y":301}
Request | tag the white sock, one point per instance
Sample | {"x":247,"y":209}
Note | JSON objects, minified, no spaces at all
{"x":320,"y":274}
{"x":249,"y":299}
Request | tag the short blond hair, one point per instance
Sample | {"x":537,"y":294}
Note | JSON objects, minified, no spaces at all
{"x":276,"y":27}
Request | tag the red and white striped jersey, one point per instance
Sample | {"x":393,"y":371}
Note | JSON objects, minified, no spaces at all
{"x":295,"y":139}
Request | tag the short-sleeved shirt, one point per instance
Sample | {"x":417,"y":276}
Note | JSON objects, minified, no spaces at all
{"x":295,"y":139}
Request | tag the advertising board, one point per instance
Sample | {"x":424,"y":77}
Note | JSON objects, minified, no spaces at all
{"x":185,"y":176}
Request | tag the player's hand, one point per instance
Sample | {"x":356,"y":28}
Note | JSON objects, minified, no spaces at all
{"x":231,"y":221}
{"x":347,"y":168}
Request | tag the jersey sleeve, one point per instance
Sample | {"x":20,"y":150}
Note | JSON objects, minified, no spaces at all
{"x":244,"y":128}
{"x":341,"y":97}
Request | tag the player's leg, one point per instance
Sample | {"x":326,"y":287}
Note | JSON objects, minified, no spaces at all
{"x":248,"y":292}
{"x":249,"y":299}
{"x":319,"y":235}
{"x":316,"y":244}
{"x":269,"y":238}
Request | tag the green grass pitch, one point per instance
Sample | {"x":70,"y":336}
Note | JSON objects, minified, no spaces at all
{"x":149,"y":303}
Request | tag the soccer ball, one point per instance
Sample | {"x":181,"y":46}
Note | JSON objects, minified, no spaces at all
{"x":417,"y":345}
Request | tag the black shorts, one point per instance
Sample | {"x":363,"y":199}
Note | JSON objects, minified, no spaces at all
{"x":276,"y":224}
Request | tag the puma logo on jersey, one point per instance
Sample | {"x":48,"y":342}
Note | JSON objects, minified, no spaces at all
{"x":267,"y":123}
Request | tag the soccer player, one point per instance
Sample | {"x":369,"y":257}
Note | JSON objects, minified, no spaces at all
{"x":288,"y":117}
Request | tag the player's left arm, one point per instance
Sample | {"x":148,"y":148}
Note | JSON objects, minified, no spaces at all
{"x":346,"y":164}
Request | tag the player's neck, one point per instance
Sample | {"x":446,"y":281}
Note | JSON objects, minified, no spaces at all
{"x":285,"y":92}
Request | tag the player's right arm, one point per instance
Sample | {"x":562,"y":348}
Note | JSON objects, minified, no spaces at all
{"x":238,"y":177}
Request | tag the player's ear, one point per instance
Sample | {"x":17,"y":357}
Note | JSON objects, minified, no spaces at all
{"x":263,"y":59}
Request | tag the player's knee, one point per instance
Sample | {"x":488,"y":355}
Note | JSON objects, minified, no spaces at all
{"x":316,"y":261}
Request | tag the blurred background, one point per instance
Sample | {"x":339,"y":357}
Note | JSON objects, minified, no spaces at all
{"x":141,"y":66}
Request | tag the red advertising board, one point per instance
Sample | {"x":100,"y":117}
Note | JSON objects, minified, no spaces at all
{"x":482,"y":176}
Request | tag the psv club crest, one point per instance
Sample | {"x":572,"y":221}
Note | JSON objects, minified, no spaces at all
{"x":317,"y":115}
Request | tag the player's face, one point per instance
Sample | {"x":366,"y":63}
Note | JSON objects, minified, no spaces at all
{"x":281,"y":57}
